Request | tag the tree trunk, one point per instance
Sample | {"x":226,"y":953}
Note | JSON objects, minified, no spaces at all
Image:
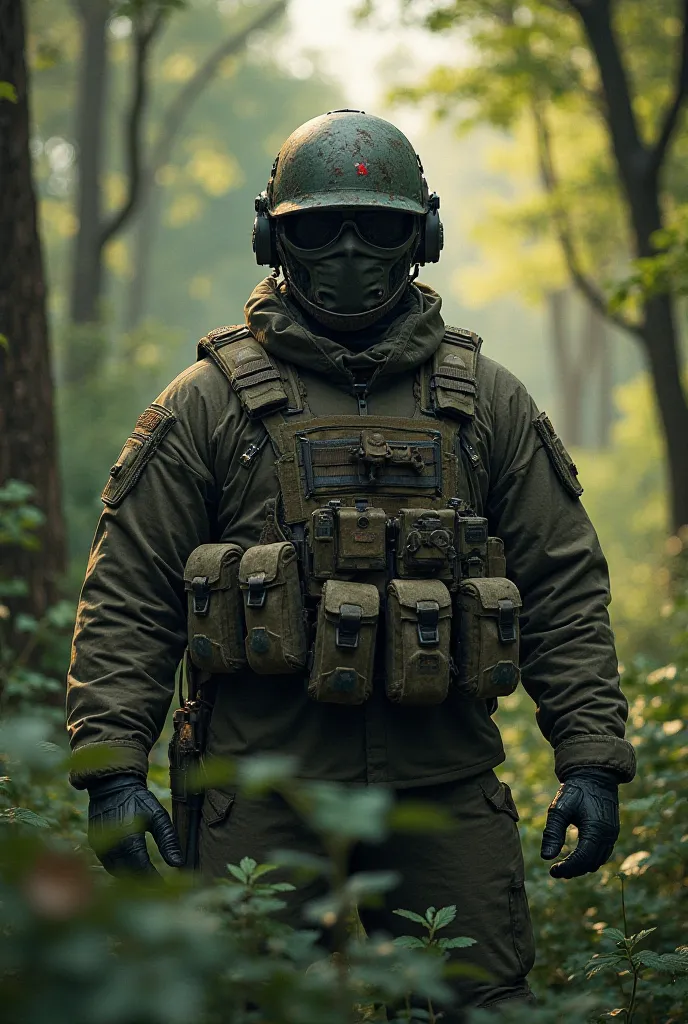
{"x":639,"y":167}
{"x":144,"y":234}
{"x":659,"y":332}
{"x":28,"y":449}
{"x":87,"y":261}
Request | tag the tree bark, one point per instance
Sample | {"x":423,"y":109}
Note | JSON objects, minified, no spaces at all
{"x":87,"y":268}
{"x":640,"y":167}
{"x":28,"y":449}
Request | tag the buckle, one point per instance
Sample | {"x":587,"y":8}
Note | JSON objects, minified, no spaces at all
{"x":506,"y":622}
{"x":349,"y":625}
{"x":428,"y":613}
{"x":201,"y":595}
{"x":256,"y":590}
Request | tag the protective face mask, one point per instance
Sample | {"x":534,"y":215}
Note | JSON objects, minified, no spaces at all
{"x":337,"y":268}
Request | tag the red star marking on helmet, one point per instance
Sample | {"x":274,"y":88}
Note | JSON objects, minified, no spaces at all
{"x":361,"y":169}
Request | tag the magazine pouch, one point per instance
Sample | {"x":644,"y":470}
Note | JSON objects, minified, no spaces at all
{"x":418,"y":641}
{"x":273,"y":608}
{"x":215,"y":614}
{"x":488,"y":638}
{"x":342,"y":671}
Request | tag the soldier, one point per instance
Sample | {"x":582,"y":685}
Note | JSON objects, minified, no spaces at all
{"x":320,"y":487}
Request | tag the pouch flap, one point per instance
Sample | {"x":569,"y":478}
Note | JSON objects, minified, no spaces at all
{"x":338,"y":592}
{"x":489,"y":592}
{"x":211,"y":560}
{"x":268,"y":559}
{"x":410,"y":592}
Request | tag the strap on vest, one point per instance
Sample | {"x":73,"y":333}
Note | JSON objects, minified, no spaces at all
{"x":449,"y":381}
{"x":259,"y":382}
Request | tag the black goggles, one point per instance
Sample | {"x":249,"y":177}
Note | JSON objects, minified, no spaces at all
{"x":314,"y":229}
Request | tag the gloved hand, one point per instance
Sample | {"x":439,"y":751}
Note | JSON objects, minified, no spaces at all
{"x":123,"y":805}
{"x":589,"y":799}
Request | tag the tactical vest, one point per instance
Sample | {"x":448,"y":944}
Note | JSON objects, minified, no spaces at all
{"x":370,"y":545}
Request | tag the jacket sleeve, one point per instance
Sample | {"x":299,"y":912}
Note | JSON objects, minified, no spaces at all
{"x":131,"y":627}
{"x":568,"y":659}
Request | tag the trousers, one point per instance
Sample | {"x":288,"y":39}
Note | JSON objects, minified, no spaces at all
{"x":478,"y":867}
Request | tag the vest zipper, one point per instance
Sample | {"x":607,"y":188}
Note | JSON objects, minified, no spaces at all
{"x":469,"y":450}
{"x":361,"y":395}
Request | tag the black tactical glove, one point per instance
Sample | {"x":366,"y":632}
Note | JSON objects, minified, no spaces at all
{"x":120,"y":812}
{"x":589,"y":799}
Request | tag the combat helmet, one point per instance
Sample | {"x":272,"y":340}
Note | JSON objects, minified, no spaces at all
{"x":347,"y":160}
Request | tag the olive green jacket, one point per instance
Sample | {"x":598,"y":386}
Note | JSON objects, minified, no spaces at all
{"x":188,"y":487}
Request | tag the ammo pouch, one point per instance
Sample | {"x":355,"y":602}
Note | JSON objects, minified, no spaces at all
{"x":342,"y":671}
{"x":426,"y":543}
{"x":418,"y":641}
{"x":215,"y":614}
{"x":488,"y":638}
{"x":275,"y":626}
{"x":347,"y":539}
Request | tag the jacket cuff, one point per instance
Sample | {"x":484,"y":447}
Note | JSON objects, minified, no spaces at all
{"x":600,"y":751}
{"x":91,"y":761}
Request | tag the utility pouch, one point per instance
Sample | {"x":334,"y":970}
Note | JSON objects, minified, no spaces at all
{"x":426,"y":543}
{"x":342,"y":671}
{"x":496,"y":561}
{"x":418,"y":640}
{"x":273,"y":608}
{"x":472,"y":545}
{"x":215,"y":614}
{"x":347,"y":539}
{"x":488,"y":638}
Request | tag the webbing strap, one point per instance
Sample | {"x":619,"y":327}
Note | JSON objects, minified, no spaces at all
{"x":257,"y":380}
{"x":449,"y":381}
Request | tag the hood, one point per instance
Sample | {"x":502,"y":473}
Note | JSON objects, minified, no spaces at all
{"x":406,"y":343}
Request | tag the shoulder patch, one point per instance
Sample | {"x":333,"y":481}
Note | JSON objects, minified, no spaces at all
{"x":564,"y":466}
{"x":138,"y":450}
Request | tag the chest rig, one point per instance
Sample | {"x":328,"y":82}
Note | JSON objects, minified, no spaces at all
{"x":370,"y":528}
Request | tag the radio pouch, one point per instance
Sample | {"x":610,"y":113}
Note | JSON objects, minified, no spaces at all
{"x":215,"y":613}
{"x":426,"y":543}
{"x":273,"y":608}
{"x":342,"y":671}
{"x":418,"y":641}
{"x":488,"y":638}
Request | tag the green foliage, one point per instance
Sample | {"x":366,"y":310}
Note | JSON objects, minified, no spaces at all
{"x":8,"y":92}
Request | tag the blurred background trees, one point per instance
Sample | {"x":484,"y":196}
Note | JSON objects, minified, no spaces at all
{"x":554,"y":132}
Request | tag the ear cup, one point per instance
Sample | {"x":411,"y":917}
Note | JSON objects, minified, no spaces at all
{"x":264,"y":240}
{"x":432,"y":233}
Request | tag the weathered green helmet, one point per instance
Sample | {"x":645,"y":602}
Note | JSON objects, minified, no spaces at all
{"x":347,"y":158}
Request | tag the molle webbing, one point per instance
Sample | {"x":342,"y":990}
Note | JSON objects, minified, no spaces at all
{"x":449,"y":382}
{"x":263,"y":385}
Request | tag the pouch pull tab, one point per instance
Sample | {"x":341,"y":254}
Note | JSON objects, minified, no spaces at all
{"x":507,"y":621}
{"x":428,"y":613}
{"x":256,"y":591}
{"x":349,"y":625}
{"x":201,"y":595}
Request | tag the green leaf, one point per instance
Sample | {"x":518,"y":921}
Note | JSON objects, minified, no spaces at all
{"x":460,"y":942}
{"x":4,"y":342}
{"x":666,"y":963}
{"x":414,"y":816}
{"x":371,"y":883}
{"x":237,"y":872}
{"x":444,"y":916}
{"x":409,"y":942}
{"x":308,"y":863}
{"x":430,"y":915}
{"x":633,"y":940}
{"x":8,"y":92}
{"x":260,"y":869}
{"x":23,"y":816}
{"x":411,"y":916}
{"x":615,"y":934}
{"x":604,"y":962}
{"x":248,"y":865}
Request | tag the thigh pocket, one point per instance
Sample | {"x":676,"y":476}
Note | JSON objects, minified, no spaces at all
{"x":521,"y":927}
{"x":498,"y":796}
{"x":217,"y":806}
